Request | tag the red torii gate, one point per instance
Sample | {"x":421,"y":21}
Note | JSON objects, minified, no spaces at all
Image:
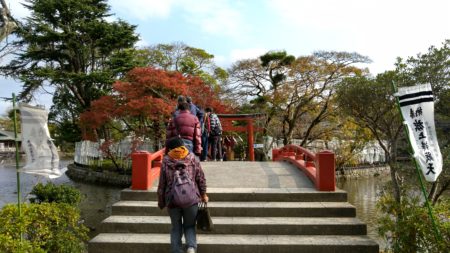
{"x":227,"y":125}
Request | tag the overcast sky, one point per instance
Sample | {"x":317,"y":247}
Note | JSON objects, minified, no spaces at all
{"x":237,"y":29}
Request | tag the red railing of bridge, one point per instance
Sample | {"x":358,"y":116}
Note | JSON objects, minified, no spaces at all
{"x":320,"y":167}
{"x":145,"y":168}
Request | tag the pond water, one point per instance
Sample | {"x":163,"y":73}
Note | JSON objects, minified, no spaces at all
{"x":363,"y":193}
{"x":97,"y":202}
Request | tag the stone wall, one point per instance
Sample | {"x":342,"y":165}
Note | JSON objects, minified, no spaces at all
{"x":78,"y":173}
{"x":363,"y":171}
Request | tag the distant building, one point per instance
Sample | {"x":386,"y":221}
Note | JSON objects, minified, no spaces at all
{"x":7,"y":141}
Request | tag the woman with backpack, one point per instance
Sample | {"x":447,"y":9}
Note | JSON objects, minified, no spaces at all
{"x":182,"y":185}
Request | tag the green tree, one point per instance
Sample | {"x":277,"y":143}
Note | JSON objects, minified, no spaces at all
{"x":309,"y":95}
{"x":186,"y":60}
{"x":351,"y":139}
{"x":370,"y":102}
{"x":296,"y":94}
{"x":433,"y":67}
{"x":70,"y":46}
{"x":258,"y":82}
{"x":6,"y":124}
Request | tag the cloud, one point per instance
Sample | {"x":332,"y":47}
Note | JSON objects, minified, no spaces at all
{"x":221,"y":60}
{"x":362,"y":16}
{"x":249,"y":53}
{"x":219,"y":17}
{"x":142,"y":43}
{"x":143,"y":9}
{"x":225,"y":61}
{"x":382,"y":29}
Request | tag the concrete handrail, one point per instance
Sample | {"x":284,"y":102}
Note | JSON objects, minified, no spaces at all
{"x":320,"y":167}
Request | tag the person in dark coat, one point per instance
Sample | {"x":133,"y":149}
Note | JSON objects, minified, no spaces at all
{"x":187,"y":126}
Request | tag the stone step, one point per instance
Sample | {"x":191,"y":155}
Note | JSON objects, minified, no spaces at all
{"x":241,"y":225}
{"x":207,"y":243}
{"x":251,"y":194}
{"x":247,"y":209}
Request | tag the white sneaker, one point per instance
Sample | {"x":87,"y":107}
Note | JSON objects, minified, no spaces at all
{"x":190,"y":250}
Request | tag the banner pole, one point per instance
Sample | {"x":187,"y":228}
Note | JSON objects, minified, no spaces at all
{"x":17,"y":161}
{"x":419,"y":174}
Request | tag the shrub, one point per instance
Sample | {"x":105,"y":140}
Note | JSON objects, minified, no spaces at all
{"x":407,"y":227}
{"x":10,"y":244}
{"x":46,"y":227}
{"x":50,"y":192}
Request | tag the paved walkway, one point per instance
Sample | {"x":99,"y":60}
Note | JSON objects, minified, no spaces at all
{"x":236,"y":174}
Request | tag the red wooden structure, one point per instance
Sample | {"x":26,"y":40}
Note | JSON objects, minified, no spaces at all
{"x":145,"y":168}
{"x":320,"y":167}
{"x":227,"y":125}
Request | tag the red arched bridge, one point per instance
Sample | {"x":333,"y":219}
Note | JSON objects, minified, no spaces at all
{"x":319,"y":167}
{"x":290,"y":204}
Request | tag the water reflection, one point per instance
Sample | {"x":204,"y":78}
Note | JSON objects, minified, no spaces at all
{"x":363,"y":193}
{"x":96,"y":204}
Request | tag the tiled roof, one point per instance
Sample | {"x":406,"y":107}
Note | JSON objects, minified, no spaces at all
{"x":7,"y":135}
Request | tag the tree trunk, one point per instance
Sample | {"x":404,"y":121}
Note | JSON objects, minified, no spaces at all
{"x":8,"y":24}
{"x":394,"y":166}
{"x":444,"y":187}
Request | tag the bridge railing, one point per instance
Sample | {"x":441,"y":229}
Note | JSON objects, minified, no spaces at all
{"x":319,"y":167}
{"x":145,"y":168}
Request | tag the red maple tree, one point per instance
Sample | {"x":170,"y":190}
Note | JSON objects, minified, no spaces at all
{"x":143,"y":103}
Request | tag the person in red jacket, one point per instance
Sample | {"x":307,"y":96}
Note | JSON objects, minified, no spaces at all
{"x":187,"y":126}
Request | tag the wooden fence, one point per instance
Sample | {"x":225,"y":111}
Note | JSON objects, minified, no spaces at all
{"x":88,"y":153}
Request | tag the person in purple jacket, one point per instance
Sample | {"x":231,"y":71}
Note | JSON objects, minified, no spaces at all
{"x":182,"y":219}
{"x":187,"y":126}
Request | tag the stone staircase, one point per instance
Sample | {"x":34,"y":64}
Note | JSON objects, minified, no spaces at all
{"x":257,"y":220}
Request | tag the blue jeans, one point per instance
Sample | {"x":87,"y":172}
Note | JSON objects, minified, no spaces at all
{"x":204,"y":155}
{"x":183,"y":220}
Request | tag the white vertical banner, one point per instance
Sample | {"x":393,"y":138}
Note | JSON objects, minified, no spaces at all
{"x":42,"y":155}
{"x":417,"y":107}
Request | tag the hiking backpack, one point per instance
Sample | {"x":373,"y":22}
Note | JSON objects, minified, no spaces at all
{"x":184,"y":191}
{"x":215,"y":128}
